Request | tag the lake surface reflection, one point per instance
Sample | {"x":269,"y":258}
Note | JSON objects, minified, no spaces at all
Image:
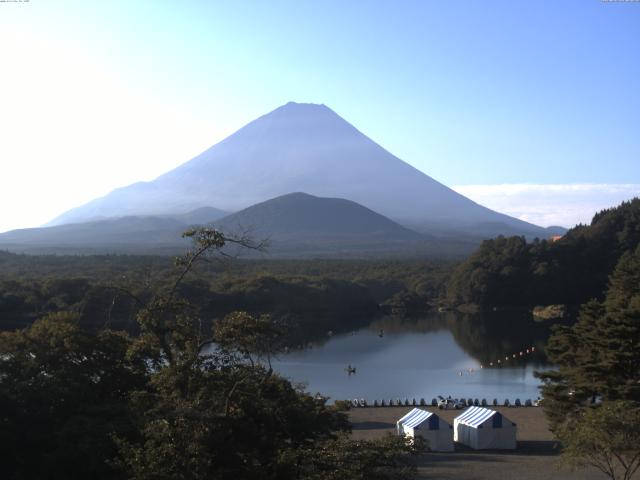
{"x":439,"y":355}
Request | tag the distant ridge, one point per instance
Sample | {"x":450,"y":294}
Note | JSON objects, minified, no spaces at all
{"x":299,"y":214}
{"x":302,"y":147}
{"x":200,"y":216}
{"x":295,"y":225}
{"x":132,"y":234}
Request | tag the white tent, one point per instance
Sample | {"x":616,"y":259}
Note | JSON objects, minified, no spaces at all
{"x":429,"y":426}
{"x":481,"y":428}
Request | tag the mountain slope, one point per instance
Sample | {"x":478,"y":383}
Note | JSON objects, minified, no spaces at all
{"x":200,"y":216}
{"x":299,"y":147}
{"x":162,"y":234}
{"x":298,"y":223}
{"x":295,"y":225}
{"x":126,"y":234}
{"x":298,"y":215}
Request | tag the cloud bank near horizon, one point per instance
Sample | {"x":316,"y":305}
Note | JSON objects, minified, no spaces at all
{"x":553,"y":204}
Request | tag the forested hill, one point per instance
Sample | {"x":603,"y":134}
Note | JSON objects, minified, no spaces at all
{"x":572,"y":270}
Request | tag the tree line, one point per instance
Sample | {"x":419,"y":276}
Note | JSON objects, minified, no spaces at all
{"x":513,"y":272}
{"x":317,"y":296}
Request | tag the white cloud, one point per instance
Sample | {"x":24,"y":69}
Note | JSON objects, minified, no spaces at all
{"x":553,"y":204}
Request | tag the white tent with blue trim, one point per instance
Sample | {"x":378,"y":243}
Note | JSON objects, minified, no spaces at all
{"x":429,"y":426}
{"x":482,"y":428}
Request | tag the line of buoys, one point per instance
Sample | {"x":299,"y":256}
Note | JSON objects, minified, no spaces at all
{"x":507,"y":357}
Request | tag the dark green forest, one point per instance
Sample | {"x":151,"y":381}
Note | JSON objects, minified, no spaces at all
{"x":509,"y":271}
{"x":315,"y":296}
{"x":161,"y":404}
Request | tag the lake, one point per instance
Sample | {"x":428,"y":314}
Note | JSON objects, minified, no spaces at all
{"x":439,"y":355}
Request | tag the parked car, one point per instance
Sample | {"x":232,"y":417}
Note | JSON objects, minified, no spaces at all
{"x":449,"y":403}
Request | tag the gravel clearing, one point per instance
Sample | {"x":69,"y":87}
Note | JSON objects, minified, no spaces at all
{"x":536,"y":457}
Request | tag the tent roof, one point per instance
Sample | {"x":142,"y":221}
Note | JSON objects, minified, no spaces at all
{"x":475,"y":416}
{"x":415,"y":417}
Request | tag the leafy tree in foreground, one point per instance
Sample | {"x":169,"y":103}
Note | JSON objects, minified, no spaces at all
{"x":607,"y":438}
{"x":384,"y":459}
{"x":249,"y":336}
{"x":599,"y":361}
{"x":63,"y":393}
{"x":214,"y":413}
{"x":217,"y":412}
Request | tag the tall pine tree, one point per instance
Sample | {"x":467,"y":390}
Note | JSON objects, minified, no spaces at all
{"x":593,"y":398}
{"x":599,"y":356}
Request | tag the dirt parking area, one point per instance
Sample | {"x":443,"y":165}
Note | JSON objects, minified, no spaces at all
{"x":536,"y":457}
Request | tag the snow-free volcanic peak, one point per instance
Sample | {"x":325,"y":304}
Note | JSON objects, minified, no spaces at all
{"x":299,"y":147}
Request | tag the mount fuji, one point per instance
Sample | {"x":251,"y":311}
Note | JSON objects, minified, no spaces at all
{"x":303,"y":148}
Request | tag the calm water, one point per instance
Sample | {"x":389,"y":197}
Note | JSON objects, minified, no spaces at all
{"x":421,"y":360}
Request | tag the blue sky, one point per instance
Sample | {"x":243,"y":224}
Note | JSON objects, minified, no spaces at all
{"x":477,"y":95}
